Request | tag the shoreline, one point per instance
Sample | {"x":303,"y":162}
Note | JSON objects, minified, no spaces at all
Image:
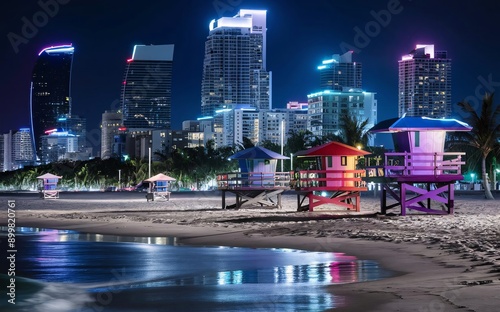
{"x":428,"y":278}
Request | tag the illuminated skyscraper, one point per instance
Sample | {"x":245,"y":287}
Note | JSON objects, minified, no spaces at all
{"x":50,"y":91}
{"x":234,"y":68}
{"x":110,"y":127}
{"x":341,"y":94}
{"x":16,"y":150}
{"x":339,"y":72}
{"x":146,"y":90}
{"x":425,"y":83}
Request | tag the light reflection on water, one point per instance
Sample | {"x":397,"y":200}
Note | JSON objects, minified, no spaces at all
{"x":51,"y":235}
{"x":145,"y":273}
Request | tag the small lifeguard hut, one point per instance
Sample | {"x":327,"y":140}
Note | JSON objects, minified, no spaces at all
{"x":49,"y":187}
{"x":257,"y":180}
{"x":419,"y":164}
{"x":160,"y":188}
{"x":332,"y":178}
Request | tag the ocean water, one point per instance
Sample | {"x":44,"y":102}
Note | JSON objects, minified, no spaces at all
{"x":71,"y":271}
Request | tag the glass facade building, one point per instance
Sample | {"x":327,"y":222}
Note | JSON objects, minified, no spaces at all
{"x":234,"y":67}
{"x":340,"y":71}
{"x":50,"y":91}
{"x":425,"y":83}
{"x":146,"y":89}
{"x":111,"y":125}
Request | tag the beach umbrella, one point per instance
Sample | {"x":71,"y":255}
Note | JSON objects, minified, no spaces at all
{"x":160,"y":177}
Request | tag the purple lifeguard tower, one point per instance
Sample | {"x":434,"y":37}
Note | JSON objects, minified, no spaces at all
{"x":419,"y":172}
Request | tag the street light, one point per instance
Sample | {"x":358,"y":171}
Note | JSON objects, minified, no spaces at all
{"x":282,"y":140}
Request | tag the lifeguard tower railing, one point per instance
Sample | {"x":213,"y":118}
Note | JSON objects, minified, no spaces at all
{"x":416,"y":165}
{"x":253,"y":180}
{"x":417,"y":180}
{"x":340,"y":188}
{"x":327,"y":180}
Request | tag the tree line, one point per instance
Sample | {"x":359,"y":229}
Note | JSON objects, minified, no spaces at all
{"x":194,"y":167}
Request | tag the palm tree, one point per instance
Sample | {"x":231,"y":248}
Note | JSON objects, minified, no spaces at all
{"x":354,"y":132}
{"x":484,"y":133}
{"x":298,"y":141}
{"x":246,"y":143}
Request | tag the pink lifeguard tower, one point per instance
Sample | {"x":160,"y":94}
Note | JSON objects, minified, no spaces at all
{"x":332,"y":179}
{"x":419,"y":171}
{"x":257,"y":181}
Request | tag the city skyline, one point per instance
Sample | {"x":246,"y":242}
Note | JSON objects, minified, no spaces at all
{"x":300,"y":36}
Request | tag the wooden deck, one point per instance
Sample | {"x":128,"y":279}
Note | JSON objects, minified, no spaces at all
{"x":253,"y":180}
{"x":254,"y":188}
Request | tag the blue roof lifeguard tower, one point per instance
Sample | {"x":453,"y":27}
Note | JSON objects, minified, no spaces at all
{"x":419,"y":164}
{"x":257,"y":181}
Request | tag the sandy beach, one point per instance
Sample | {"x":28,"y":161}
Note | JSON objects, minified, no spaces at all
{"x":443,"y":263}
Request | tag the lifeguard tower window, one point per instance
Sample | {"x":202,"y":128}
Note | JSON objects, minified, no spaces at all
{"x":343,"y":160}
{"x":329,"y":158}
{"x":417,"y":138}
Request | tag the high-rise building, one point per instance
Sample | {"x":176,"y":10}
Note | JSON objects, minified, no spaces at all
{"x":3,"y":160}
{"x":111,"y":125}
{"x":77,"y":126}
{"x":230,"y":126}
{"x":339,"y":72}
{"x":234,"y":68}
{"x":58,"y":145}
{"x":147,"y":87}
{"x":425,"y":83}
{"x":326,"y":107}
{"x":341,"y":82}
{"x":50,"y":91}
{"x":279,"y":122}
{"x":22,"y":148}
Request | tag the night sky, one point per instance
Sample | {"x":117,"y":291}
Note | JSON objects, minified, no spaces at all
{"x":300,"y":35}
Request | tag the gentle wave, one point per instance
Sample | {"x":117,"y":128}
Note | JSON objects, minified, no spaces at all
{"x":37,"y":296}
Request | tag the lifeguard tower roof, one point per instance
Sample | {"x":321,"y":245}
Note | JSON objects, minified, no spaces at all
{"x":257,"y":152}
{"x":48,"y":176}
{"x":332,"y":149}
{"x":414,"y":123}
